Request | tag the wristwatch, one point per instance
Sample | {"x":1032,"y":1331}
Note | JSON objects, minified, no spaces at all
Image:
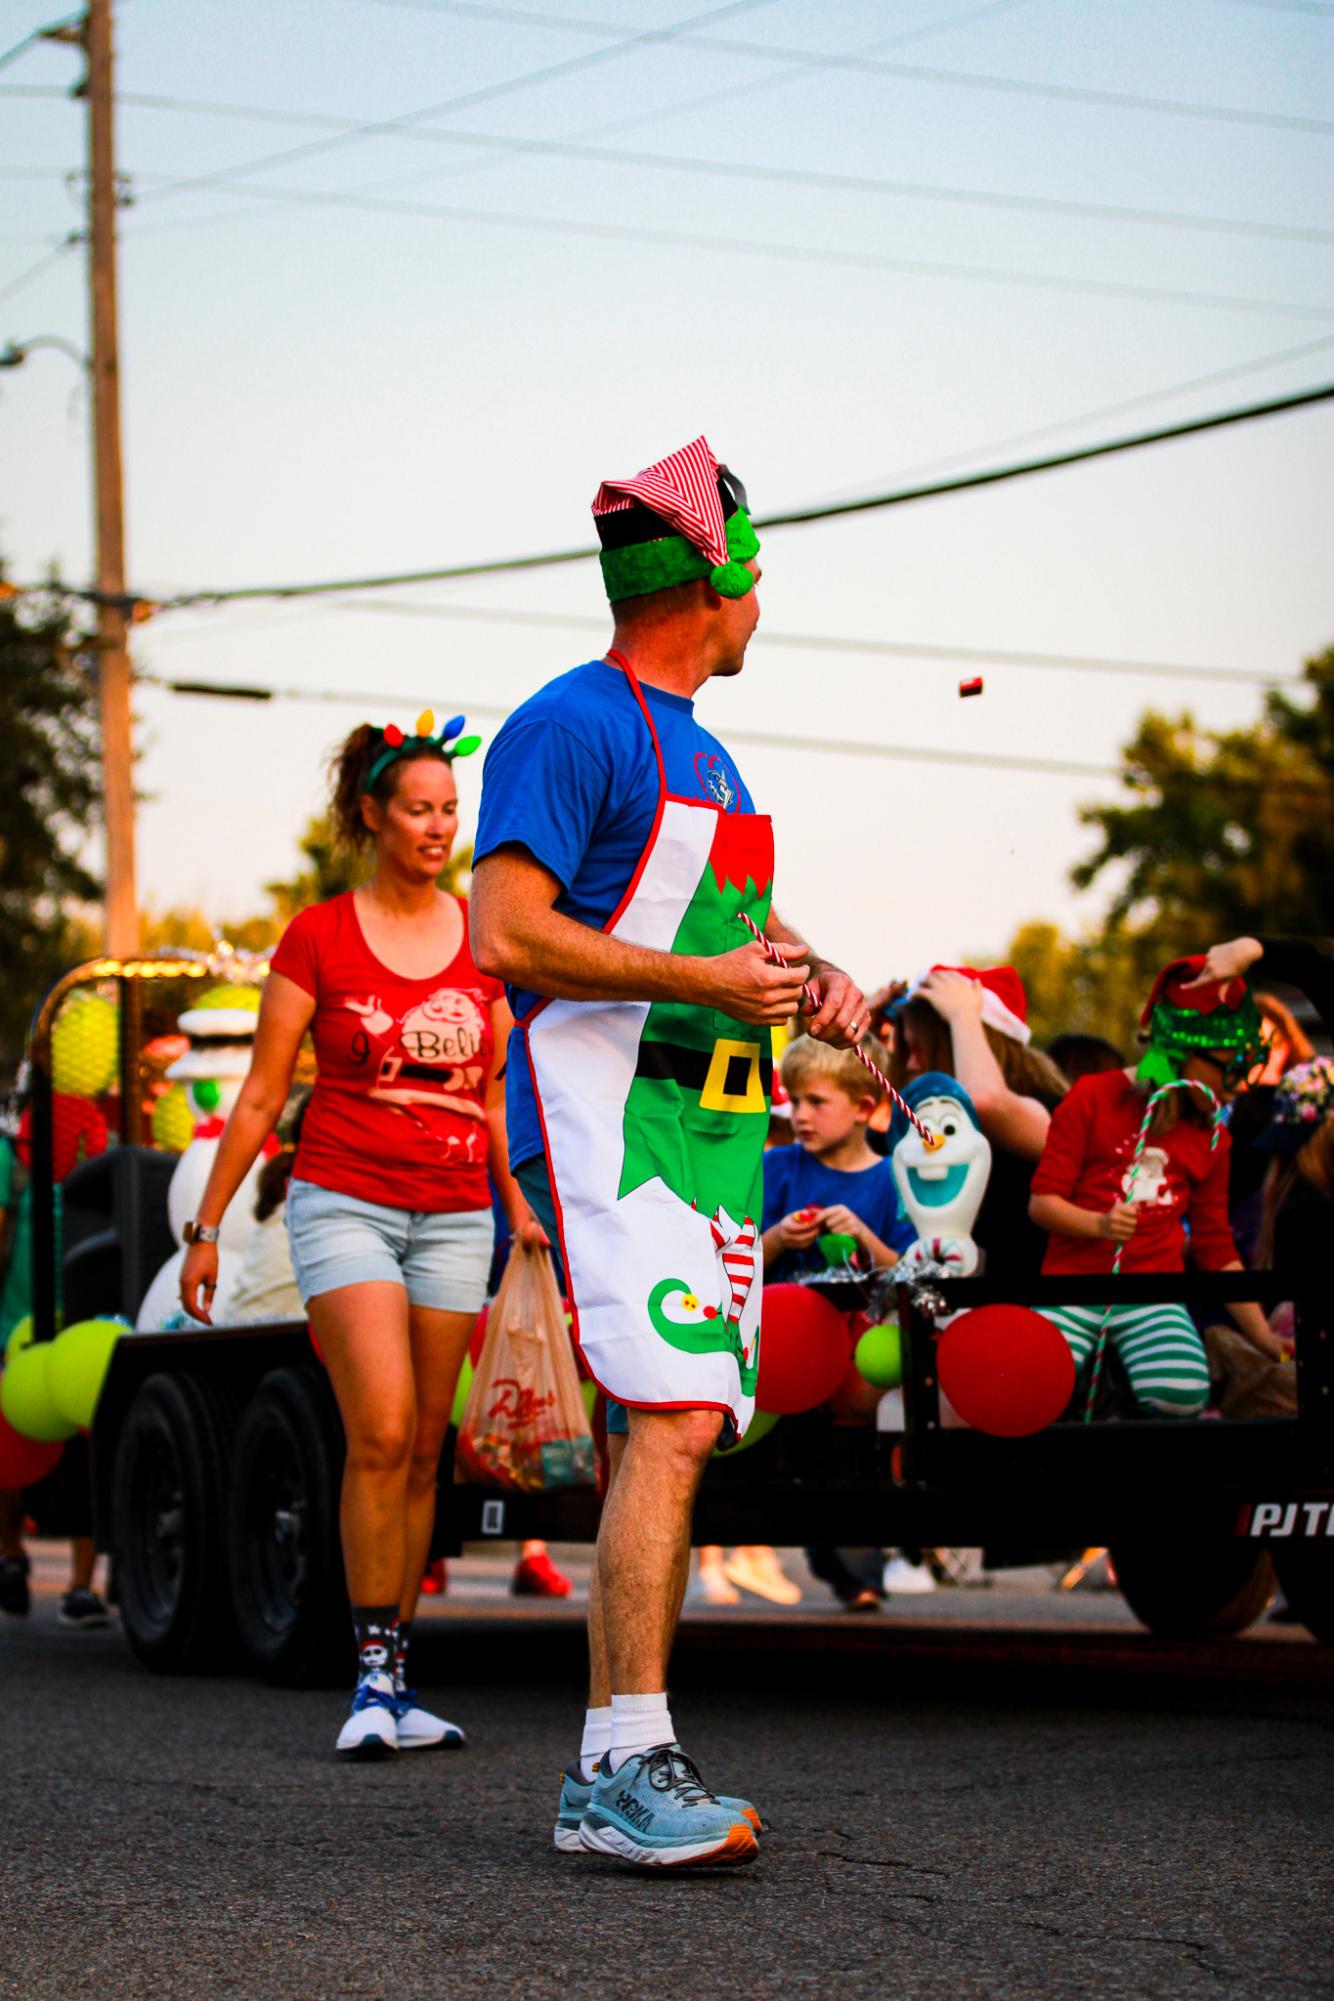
{"x":201,"y":1233}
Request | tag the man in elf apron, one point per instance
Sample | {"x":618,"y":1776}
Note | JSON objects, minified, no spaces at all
{"x":616,"y":850}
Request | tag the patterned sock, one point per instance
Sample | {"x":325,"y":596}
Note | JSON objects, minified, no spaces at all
{"x":376,"y":1629}
{"x":402,"y":1634}
{"x":597,"y":1741}
{"x":638,"y":1723}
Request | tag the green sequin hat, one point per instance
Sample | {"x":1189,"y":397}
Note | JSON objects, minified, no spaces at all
{"x":1219,"y":1018}
{"x":389,"y":744}
{"x":684,"y":518}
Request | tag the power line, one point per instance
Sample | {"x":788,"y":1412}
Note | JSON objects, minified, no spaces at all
{"x":814,"y":59}
{"x":733,"y":170}
{"x":736,"y":246}
{"x":34,"y":270}
{"x":1289,"y":6}
{"x":800,"y":516}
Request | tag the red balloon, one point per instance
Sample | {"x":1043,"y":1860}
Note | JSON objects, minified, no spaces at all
{"x":477,"y":1337}
{"x":1006,"y":1370}
{"x":24,"y":1461}
{"x":805,"y":1345}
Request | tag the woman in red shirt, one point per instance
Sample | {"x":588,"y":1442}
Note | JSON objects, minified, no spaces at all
{"x":1099,"y":1203}
{"x":388,"y":1209}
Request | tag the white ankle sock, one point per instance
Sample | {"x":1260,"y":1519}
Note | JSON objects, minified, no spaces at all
{"x":597,"y":1740}
{"x":638,"y":1722}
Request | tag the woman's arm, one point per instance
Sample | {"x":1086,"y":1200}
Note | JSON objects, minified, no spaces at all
{"x":1061,"y":1218}
{"x":1293,"y":962}
{"x":1018,"y":1124}
{"x":523,"y":1223}
{"x":285,"y":1014}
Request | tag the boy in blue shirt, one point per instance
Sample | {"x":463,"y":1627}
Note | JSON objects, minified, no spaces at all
{"x":831,"y":1180}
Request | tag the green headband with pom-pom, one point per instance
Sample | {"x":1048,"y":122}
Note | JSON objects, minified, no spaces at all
{"x":657,"y":566}
{"x":391,"y":743}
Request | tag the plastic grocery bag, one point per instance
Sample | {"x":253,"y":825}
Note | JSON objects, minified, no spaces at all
{"x":524,"y":1424}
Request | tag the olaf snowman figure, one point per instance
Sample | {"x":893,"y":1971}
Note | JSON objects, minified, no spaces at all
{"x":941,"y":1190}
{"x":221,"y":1028}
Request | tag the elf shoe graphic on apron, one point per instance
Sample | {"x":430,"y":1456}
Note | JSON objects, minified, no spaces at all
{"x":655,"y":1117}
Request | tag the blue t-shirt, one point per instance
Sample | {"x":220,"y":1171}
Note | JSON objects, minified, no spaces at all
{"x":571,"y":776}
{"x":795,"y":1179}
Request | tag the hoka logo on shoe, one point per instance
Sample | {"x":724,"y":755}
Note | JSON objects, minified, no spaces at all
{"x":634,"y":1810}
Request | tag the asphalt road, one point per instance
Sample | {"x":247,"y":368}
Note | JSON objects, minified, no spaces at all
{"x":955,"y":1810}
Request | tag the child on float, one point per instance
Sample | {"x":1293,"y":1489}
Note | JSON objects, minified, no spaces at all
{"x":1095,"y":1201}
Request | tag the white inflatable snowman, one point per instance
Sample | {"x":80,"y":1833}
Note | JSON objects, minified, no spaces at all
{"x":942,"y":1188}
{"x":221,"y":1028}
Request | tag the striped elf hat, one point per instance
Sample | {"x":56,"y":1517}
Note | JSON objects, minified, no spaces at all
{"x":676,"y":521}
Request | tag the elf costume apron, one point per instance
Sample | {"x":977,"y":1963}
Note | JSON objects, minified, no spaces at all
{"x":654,"y":1116}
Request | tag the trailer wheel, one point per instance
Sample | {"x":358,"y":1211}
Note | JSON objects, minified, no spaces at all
{"x":1188,"y":1584}
{"x":283,"y":1550}
{"x":1306,"y":1579}
{"x":166,"y":1513}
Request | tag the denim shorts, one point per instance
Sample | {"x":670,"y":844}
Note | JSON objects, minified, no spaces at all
{"x":441,"y":1261}
{"x":535,"y":1180}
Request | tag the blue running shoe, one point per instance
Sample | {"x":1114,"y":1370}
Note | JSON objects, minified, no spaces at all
{"x":576,"y":1794}
{"x":418,"y":1730}
{"x":656,"y":1811}
{"x":371,"y":1730}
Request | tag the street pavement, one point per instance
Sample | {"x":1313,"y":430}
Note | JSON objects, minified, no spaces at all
{"x":992,"y":1794}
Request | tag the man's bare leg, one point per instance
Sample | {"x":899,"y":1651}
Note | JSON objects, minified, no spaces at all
{"x":643,"y":1553}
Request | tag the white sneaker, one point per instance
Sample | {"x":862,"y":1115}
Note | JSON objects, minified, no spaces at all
{"x":756,"y":1568}
{"x":371,"y":1730}
{"x":418,"y":1730}
{"x":712,"y":1588}
{"x":903,"y":1578}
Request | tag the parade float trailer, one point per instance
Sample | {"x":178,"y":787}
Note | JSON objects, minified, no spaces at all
{"x":217,"y":1452}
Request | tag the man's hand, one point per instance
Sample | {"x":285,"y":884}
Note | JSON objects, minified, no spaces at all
{"x":1118,"y":1225}
{"x":799,"y":1230}
{"x":1227,"y":962}
{"x":746,"y":985}
{"x":843,"y":1017}
{"x":953,"y":995}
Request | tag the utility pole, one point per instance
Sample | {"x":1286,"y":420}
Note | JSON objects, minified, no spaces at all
{"x":122,"y":906}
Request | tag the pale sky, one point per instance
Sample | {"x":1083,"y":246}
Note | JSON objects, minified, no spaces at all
{"x":319,"y":383}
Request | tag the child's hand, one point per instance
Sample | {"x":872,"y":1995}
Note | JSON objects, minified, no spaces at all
{"x":1118,"y":1225}
{"x":841,"y":1221}
{"x":800,"y":1229}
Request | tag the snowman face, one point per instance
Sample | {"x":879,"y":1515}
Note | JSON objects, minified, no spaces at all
{"x":942,"y":1190}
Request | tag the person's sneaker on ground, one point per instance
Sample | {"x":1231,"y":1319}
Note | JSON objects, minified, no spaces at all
{"x":576,"y":1792}
{"x":418,"y":1729}
{"x":756,"y":1568}
{"x":710,"y":1586}
{"x":538,"y":1577}
{"x":15,"y":1597}
{"x":656,"y":1811}
{"x":436,"y":1581}
{"x":371,"y":1730}
{"x":903,"y":1578}
{"x":82,"y":1607}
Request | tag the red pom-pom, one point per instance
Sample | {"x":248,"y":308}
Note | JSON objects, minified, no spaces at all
{"x":393,"y":735}
{"x":805,"y":1346}
{"x":24,"y":1461}
{"x":1006,"y":1370}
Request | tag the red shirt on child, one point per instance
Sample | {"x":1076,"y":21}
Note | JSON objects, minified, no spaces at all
{"x":1087,"y":1159}
{"x":398,"y":1112}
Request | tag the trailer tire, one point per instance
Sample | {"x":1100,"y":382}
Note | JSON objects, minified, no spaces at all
{"x":1306,"y":1579}
{"x":284,"y":1557}
{"x":167,"y":1543}
{"x":1188,"y":1585}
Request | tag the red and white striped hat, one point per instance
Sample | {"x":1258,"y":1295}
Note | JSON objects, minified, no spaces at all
{"x":1004,"y":1002}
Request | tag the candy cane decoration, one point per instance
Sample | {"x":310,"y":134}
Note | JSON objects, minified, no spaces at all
{"x":1180,"y":1084}
{"x":929,"y":1139}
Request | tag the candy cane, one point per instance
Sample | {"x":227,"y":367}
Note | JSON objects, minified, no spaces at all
{"x":1180,"y":1084}
{"x":929,"y":1139}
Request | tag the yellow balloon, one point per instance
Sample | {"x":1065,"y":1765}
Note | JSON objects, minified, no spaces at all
{"x":77,"y":1366}
{"x":426,"y":722}
{"x":26,"y":1397}
{"x":85,"y":1046}
{"x":173,"y":1122}
{"x":20,"y":1336}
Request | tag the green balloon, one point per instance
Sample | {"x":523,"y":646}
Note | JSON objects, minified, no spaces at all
{"x":461,"y":1393}
{"x":76,"y":1371}
{"x":20,"y":1336}
{"x":589,"y":1392}
{"x":26,"y":1399}
{"x":836,"y":1247}
{"x":759,"y":1427}
{"x":879,"y":1356}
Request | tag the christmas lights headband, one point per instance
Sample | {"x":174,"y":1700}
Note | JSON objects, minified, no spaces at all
{"x":389,"y":744}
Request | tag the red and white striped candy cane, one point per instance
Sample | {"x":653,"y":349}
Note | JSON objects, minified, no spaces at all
{"x":929,"y":1139}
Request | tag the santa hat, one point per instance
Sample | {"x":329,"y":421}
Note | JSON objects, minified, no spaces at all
{"x":683,"y":518}
{"x":1004,"y":1002}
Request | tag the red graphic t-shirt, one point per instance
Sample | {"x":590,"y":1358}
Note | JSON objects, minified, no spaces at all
{"x":398,"y":1112}
{"x":1181,"y":1180}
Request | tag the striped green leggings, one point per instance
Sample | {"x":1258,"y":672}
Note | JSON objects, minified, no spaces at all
{"x":1161,"y":1352}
